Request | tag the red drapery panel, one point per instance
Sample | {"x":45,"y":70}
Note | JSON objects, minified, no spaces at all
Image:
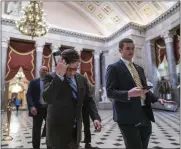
{"x":20,"y":54}
{"x":160,"y":51}
{"x":177,"y":46}
{"x":47,"y":57}
{"x":87,"y":66}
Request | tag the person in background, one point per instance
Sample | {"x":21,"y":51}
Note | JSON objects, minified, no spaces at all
{"x":125,"y":85}
{"x":86,"y":123}
{"x":36,"y":105}
{"x":17,"y":104}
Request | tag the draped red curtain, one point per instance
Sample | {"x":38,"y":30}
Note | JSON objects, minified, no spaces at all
{"x":160,"y":50}
{"x":87,"y":66}
{"x":21,"y":54}
{"x":47,"y":57}
{"x":177,"y":46}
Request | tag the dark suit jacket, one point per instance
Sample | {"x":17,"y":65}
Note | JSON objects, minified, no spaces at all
{"x":33,"y":94}
{"x":118,"y":82}
{"x":63,"y":109}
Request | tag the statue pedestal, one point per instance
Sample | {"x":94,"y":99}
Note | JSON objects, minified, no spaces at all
{"x":105,"y":106}
{"x":166,"y":106}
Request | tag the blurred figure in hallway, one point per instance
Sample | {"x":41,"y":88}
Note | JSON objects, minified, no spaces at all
{"x":17,"y":104}
{"x":37,"y":107}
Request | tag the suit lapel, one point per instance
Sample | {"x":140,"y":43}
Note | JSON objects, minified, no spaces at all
{"x":127,"y":72}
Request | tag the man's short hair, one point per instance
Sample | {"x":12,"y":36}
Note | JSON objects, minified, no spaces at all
{"x":124,"y":40}
{"x":70,"y":56}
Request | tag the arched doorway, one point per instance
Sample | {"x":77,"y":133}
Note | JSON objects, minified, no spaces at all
{"x":18,"y":87}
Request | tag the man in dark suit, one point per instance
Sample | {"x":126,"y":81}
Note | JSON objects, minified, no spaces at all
{"x":86,"y":123}
{"x":125,"y":82}
{"x":37,"y":107}
{"x":65,"y":92}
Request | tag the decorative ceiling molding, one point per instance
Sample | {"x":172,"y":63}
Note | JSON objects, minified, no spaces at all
{"x":128,"y":26}
{"x":164,"y":16}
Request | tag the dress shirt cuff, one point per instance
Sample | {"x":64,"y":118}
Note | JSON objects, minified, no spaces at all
{"x":62,"y":78}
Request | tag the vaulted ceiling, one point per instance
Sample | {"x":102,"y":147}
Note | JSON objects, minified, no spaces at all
{"x":102,"y":18}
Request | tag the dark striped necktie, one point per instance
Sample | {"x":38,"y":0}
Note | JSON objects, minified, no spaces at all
{"x":74,"y":92}
{"x":73,"y":86}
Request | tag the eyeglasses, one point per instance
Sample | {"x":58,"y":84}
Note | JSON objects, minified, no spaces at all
{"x":73,"y":69}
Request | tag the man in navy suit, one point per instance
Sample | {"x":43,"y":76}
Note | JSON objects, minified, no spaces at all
{"x":125,"y":82}
{"x":36,"y":105}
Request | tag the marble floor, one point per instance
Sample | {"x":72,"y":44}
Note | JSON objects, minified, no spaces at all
{"x":166,"y":132}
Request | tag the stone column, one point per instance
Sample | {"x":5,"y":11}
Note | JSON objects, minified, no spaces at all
{"x":39,"y":54}
{"x":103,"y":67}
{"x":4,"y":46}
{"x":79,"y":50}
{"x":168,"y":38}
{"x":97,"y":75}
{"x":55,"y":48}
{"x":151,"y":64}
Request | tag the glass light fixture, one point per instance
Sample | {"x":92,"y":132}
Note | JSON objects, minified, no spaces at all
{"x":32,"y":22}
{"x":19,"y":76}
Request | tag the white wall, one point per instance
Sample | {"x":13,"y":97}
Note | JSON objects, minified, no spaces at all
{"x":57,"y":12}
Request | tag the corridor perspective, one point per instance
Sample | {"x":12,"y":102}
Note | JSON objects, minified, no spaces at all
{"x":70,"y":67}
{"x":166,"y":132}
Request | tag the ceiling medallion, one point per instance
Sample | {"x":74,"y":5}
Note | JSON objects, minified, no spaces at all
{"x":32,"y":23}
{"x":91,"y":7}
{"x":107,"y":9}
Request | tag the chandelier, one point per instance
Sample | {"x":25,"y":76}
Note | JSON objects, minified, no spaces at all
{"x":32,"y":23}
{"x":19,"y":76}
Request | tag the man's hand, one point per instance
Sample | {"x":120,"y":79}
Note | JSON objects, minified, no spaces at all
{"x":61,"y":67}
{"x":162,"y":101}
{"x":97,"y":125}
{"x":136,"y":92}
{"x":33,"y":111}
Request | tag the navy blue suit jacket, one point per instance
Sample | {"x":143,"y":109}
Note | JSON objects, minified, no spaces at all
{"x":118,"y":82}
{"x":33,"y":94}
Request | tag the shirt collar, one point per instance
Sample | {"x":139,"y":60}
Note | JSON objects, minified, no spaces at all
{"x":125,"y":61}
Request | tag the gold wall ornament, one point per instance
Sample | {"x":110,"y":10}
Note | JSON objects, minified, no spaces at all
{"x":32,"y":23}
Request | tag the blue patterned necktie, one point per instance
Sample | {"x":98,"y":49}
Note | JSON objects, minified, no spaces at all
{"x":74,"y":92}
{"x":74,"y":87}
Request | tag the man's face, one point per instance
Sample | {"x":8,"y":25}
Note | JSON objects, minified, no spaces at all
{"x":127,"y":52}
{"x":43,"y":71}
{"x":72,"y":69}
